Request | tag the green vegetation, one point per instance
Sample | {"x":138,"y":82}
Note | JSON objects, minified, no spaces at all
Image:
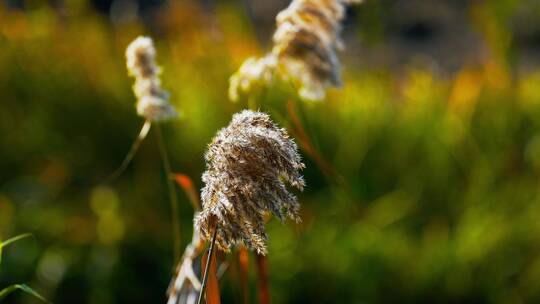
{"x":8,"y":290}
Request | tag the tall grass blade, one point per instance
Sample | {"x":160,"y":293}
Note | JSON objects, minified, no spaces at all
{"x":262,"y":279}
{"x":12,"y":240}
{"x":10,"y":289}
{"x":243,"y":259}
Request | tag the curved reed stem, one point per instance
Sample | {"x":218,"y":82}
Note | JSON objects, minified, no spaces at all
{"x":172,"y":193}
{"x":134,"y":147}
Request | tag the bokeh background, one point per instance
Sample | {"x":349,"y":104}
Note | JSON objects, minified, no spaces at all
{"x":423,"y":170}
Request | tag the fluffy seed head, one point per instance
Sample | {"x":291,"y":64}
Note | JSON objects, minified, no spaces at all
{"x":248,"y":164}
{"x":306,"y":42}
{"x":305,"y":48}
{"x":255,"y":73}
{"x":153,"y":103}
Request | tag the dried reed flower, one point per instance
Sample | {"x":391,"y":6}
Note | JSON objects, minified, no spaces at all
{"x":305,"y":48}
{"x":248,"y":163}
{"x":255,"y":73}
{"x":185,"y":286}
{"x":153,"y":102}
{"x":306,"y":42}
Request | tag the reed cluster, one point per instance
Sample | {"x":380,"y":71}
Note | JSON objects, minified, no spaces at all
{"x":251,"y":162}
{"x":304,"y":51}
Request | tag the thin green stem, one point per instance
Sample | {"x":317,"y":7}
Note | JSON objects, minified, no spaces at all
{"x":172,"y":192}
{"x":207,"y":267}
{"x":15,"y":239}
{"x":134,"y":147}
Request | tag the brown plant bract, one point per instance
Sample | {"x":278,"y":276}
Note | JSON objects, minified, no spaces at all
{"x":152,"y":100}
{"x":248,"y":163}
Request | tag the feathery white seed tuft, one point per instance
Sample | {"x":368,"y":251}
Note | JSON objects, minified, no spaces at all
{"x":152,"y":101}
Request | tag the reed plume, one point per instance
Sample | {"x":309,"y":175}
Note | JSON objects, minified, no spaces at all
{"x":254,"y":74}
{"x":247,"y":165}
{"x":152,"y":100}
{"x":306,"y":42}
{"x":152,"y":104}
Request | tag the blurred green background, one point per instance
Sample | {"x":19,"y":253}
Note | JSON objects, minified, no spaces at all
{"x":424,"y":187}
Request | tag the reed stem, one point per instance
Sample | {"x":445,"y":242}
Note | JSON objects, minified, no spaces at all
{"x":172,"y":193}
{"x":207,"y":266}
{"x":134,"y":147}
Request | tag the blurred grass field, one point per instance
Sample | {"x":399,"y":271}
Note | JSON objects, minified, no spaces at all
{"x":435,"y":196}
